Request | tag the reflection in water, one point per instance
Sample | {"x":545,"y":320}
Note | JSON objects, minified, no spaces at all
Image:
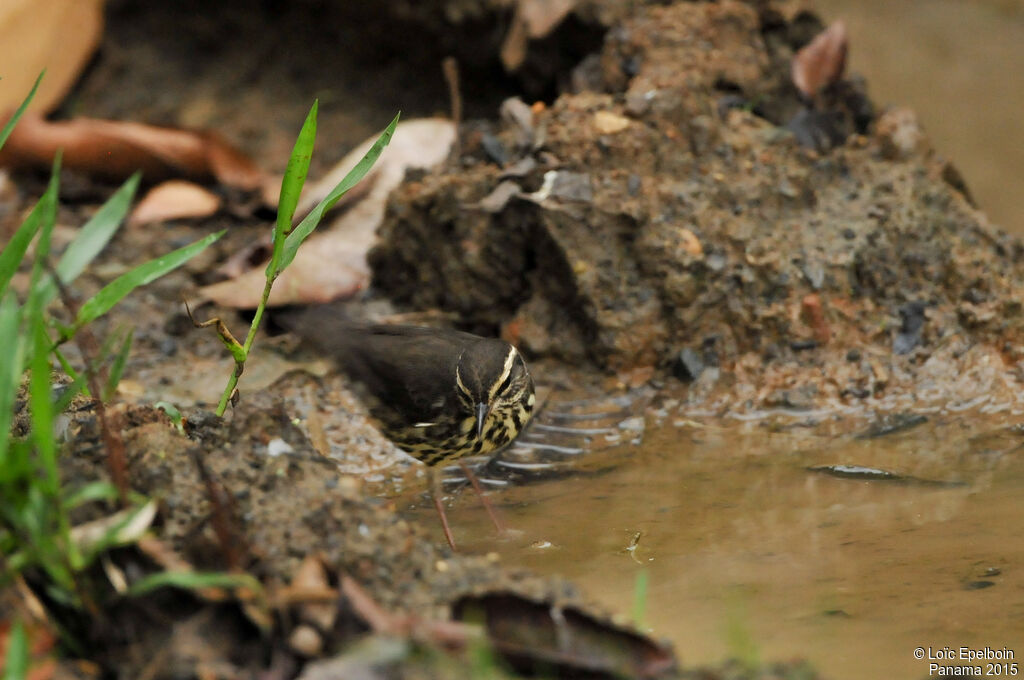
{"x":736,"y":533}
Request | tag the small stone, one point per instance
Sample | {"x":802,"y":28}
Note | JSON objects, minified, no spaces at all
{"x":608,"y":123}
{"x":634,"y":424}
{"x":688,"y":365}
{"x":277,"y":447}
{"x":305,"y":641}
{"x":494,"y":149}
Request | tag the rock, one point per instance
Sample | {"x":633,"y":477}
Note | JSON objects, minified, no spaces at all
{"x":688,"y":365}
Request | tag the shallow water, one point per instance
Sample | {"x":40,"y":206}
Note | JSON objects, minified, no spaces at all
{"x":749,"y":553}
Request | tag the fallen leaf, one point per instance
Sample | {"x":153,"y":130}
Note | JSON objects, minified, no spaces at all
{"x":57,"y":35}
{"x":565,"y":639}
{"x":821,"y":62}
{"x":332,"y":263}
{"x":116,"y":149}
{"x":121,"y":528}
{"x":172,"y":200}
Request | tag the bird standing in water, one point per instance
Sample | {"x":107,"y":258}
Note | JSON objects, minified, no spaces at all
{"x":440,"y":395}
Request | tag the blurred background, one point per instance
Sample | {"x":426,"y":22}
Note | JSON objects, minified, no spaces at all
{"x":960,"y":65}
{"x":957,"y":63}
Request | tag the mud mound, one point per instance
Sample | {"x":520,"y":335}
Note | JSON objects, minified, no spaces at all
{"x":690,"y":199}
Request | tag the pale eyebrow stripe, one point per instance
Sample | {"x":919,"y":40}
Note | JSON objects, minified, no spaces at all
{"x":505,"y":371}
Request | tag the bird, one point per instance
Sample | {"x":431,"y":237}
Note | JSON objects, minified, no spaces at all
{"x":440,"y":395}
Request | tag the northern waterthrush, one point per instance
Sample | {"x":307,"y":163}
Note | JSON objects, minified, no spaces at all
{"x":440,"y":395}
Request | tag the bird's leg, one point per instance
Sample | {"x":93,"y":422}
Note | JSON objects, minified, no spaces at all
{"x":434,"y":475}
{"x":498,"y":524}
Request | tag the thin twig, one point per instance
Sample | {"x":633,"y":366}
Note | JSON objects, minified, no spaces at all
{"x":450,"y":67}
{"x":223,"y":516}
{"x":90,"y":349}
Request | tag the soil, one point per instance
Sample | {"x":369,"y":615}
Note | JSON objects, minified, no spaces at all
{"x":669,"y":205}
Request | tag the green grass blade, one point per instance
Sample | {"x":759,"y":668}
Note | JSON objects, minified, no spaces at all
{"x":309,"y":223}
{"x":97,"y":232}
{"x":47,"y":217}
{"x":16,"y":666}
{"x":10,"y":369}
{"x":117,"y":368}
{"x":191,"y":580}
{"x":15,"y":249}
{"x":6,"y":132}
{"x":93,"y":491}
{"x":40,"y":399}
{"x":113,"y":292}
{"x":295,"y":174}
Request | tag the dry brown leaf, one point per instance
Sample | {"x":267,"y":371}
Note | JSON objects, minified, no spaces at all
{"x":332,"y":263}
{"x":822,"y":61}
{"x":172,"y":200}
{"x":116,"y":149}
{"x":56,"y":35}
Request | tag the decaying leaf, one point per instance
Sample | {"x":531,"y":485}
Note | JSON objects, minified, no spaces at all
{"x":332,"y":263}
{"x":821,"y":62}
{"x":122,"y":527}
{"x":172,"y":200}
{"x":56,"y":35}
{"x":116,"y":149}
{"x":546,"y":635}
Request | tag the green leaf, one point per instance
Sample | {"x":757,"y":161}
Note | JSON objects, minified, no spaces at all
{"x":117,"y":368}
{"x":16,"y":666}
{"x":309,"y":223}
{"x":42,"y":406}
{"x":15,"y":249}
{"x":48,"y":217}
{"x":93,"y":491}
{"x":192,"y":580}
{"x":173,"y":413}
{"x":97,"y":232}
{"x":113,"y":292}
{"x":6,"y":132}
{"x":295,"y":174}
{"x":10,"y":369}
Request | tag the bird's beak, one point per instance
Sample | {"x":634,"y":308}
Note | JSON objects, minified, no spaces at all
{"x":482,"y":410}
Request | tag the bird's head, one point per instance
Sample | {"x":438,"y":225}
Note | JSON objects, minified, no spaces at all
{"x":492,"y":381}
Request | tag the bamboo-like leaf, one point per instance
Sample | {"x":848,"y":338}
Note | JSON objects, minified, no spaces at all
{"x":295,"y":175}
{"x":117,"y":368}
{"x":97,"y":232}
{"x":6,"y":132}
{"x":113,"y":292}
{"x":15,"y":249}
{"x":16,"y":661}
{"x":193,"y":580}
{"x":93,"y":491}
{"x":309,"y":223}
{"x":10,"y":369}
{"x":42,"y":405}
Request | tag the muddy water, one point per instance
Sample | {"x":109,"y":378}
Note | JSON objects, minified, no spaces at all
{"x":748,"y":553}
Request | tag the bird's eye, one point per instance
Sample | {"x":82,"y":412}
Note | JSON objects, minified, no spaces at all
{"x":505,"y":385}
